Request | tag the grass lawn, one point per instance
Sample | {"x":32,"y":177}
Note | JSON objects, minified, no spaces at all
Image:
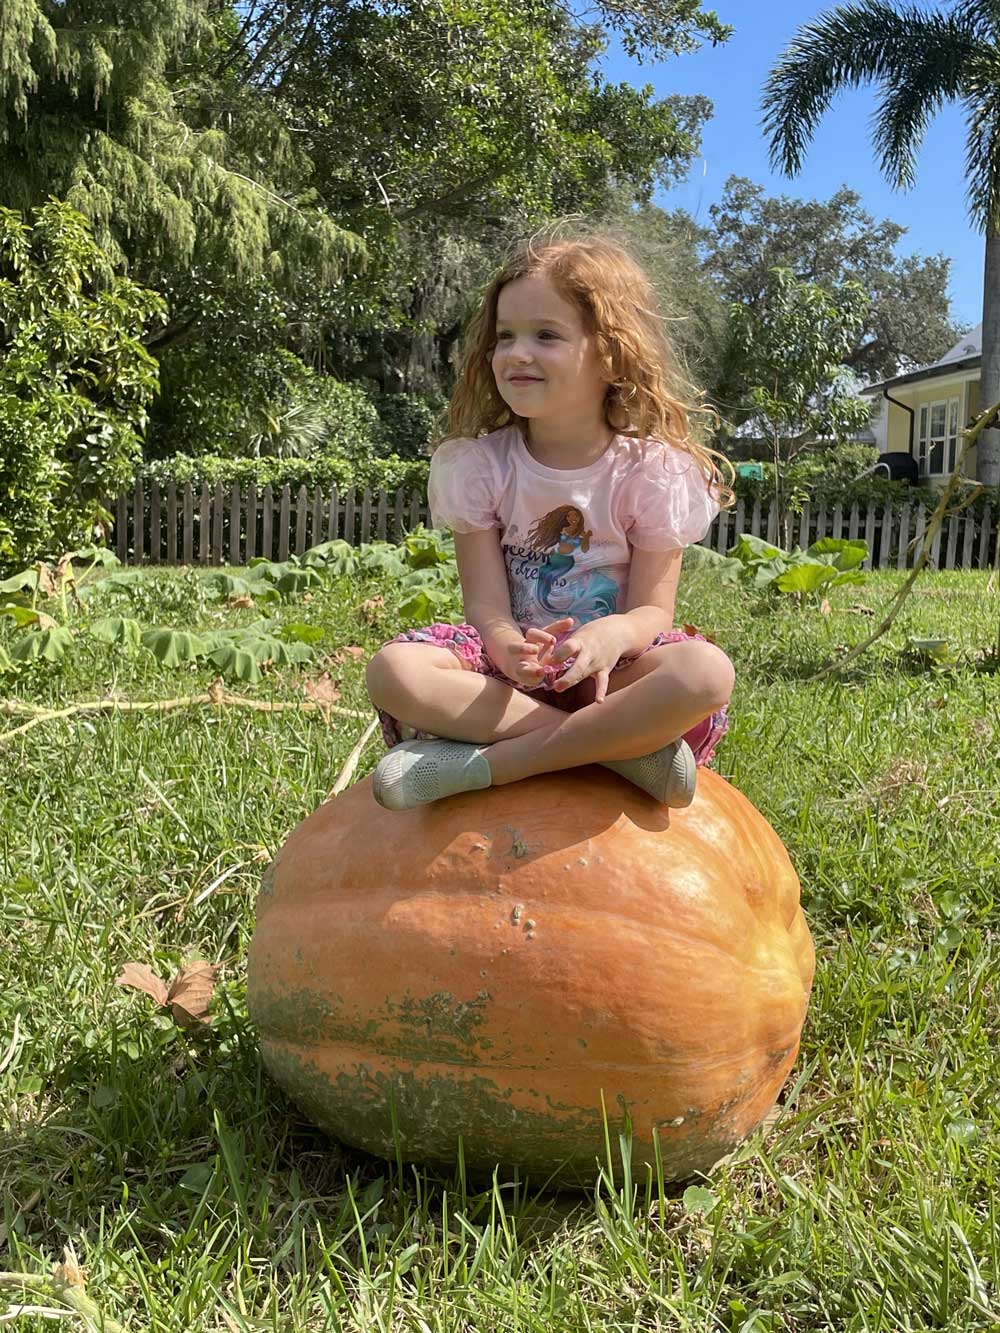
{"x":198,"y":1198}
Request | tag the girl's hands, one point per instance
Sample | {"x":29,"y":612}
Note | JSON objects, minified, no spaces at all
{"x":527,"y":658}
{"x":597,"y":647}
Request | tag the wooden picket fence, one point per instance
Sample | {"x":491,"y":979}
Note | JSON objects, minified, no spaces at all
{"x":226,"y":525}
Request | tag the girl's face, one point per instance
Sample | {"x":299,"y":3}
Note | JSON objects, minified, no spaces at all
{"x":545,"y":362}
{"x":573,"y":522}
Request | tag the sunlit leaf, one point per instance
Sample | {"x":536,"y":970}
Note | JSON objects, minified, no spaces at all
{"x":173,"y":646}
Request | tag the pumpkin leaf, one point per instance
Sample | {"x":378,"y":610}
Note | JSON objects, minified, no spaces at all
{"x":339,"y":557}
{"x":226,"y":585}
{"x":25,"y":615}
{"x":294,"y":581}
{"x":804,"y":578}
{"x":173,"y":646}
{"x":117,"y":629}
{"x":236,"y":663}
{"x":49,"y":644}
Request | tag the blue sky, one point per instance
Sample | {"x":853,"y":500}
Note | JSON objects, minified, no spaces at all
{"x":733,"y":76}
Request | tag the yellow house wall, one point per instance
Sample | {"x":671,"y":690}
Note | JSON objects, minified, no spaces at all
{"x":898,"y":434}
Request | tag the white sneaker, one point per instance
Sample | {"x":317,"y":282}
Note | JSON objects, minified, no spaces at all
{"x":417,"y":772}
{"x":668,"y":774}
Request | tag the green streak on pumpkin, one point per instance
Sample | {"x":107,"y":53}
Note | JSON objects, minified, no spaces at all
{"x":358,"y":1107}
{"x":434,"y":1027}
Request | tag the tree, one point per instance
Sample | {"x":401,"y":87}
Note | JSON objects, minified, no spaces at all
{"x":75,"y":382}
{"x":920,"y":61}
{"x":794,"y":346}
{"x":830,"y":242}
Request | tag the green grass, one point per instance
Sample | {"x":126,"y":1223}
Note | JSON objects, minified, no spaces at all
{"x":199,"y":1199}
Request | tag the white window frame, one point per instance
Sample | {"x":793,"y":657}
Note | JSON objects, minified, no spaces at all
{"x":947,"y":436}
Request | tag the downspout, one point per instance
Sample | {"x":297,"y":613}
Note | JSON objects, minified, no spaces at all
{"x":905,"y":409}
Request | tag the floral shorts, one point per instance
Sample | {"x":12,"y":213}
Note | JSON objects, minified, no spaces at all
{"x":464,"y":641}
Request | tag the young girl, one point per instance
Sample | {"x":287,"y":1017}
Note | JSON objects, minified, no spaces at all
{"x":569,"y":478}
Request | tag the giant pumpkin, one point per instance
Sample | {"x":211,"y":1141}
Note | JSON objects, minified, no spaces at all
{"x":500,"y":965}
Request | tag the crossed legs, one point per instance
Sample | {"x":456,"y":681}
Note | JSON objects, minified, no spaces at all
{"x":650,"y":702}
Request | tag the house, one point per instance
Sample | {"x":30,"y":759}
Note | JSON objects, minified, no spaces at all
{"x":923,"y":412}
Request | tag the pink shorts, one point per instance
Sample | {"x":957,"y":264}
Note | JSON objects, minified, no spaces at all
{"x":464,"y":641}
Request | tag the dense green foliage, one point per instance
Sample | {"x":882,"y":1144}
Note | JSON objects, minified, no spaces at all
{"x":198,"y":1198}
{"x":75,"y":381}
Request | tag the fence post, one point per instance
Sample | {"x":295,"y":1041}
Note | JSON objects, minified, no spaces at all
{"x":252,"y":522}
{"x":154,"y":523}
{"x":349,"y":516}
{"x":316,"y":534}
{"x":381,"y":515}
{"x":217,"y":519}
{"x":204,"y":523}
{"x":333,"y":521}
{"x":267,"y":522}
{"x":138,"y":522}
{"x":904,"y":536}
{"x":301,"y":515}
{"x":172,"y":523}
{"x":121,"y":525}
{"x":885,"y":544}
{"x":286,"y":506}
{"x":187,"y":531}
{"x":234,"y":524}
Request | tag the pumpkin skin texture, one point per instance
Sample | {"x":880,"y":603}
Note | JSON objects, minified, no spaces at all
{"x":489,"y":965}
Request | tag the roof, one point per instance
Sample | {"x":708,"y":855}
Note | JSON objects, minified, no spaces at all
{"x":967,"y":354}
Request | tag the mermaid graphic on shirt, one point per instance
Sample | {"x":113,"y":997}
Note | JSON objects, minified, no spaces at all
{"x":557,"y":536}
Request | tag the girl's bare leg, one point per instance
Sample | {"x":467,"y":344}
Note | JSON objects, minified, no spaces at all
{"x":650,"y":703}
{"x":428,"y":688}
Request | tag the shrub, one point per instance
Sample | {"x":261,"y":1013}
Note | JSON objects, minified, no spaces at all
{"x":75,"y":382}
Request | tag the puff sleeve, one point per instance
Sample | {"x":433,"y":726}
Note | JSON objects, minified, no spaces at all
{"x":462,"y":486}
{"x":668,"y":502}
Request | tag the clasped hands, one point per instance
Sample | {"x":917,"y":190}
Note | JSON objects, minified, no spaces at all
{"x":596,"y":646}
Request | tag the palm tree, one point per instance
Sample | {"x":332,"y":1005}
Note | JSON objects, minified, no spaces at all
{"x":920,"y":60}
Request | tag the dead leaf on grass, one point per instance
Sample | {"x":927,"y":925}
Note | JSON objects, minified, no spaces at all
{"x":325,"y":690}
{"x":240,"y":602}
{"x":188,"y":996}
{"x":370,"y":608}
{"x":190,"y":993}
{"x":347,"y":650}
{"x":693,"y":629}
{"x":142,"y":977}
{"x":824,"y":607}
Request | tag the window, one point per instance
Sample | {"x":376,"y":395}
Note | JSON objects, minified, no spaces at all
{"x":938,"y":444}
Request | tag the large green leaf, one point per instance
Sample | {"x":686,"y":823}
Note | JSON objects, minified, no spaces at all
{"x":95,"y":555}
{"x":236,"y":663}
{"x":295,"y":581}
{"x":339,"y":557}
{"x":117,"y":629}
{"x":173,"y":646}
{"x":227,"y":585}
{"x":804,"y":578}
{"x":750,"y":550}
{"x":49,"y":644}
{"x":846,"y":553}
{"x":423,"y":603}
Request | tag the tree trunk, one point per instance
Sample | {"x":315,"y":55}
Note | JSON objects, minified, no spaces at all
{"x":988,"y":445}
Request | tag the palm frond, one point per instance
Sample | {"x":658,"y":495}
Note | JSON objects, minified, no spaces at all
{"x":931,"y":70}
{"x":867,"y":41}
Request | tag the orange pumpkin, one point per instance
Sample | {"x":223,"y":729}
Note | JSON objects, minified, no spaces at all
{"x":493,"y":965}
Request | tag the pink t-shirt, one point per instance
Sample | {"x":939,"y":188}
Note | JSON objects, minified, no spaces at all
{"x":567,"y":534}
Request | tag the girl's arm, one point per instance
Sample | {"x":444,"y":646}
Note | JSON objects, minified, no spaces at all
{"x":652,"y":591}
{"x":485,"y":593}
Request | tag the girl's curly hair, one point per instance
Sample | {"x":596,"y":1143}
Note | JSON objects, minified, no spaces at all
{"x":648,"y":396}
